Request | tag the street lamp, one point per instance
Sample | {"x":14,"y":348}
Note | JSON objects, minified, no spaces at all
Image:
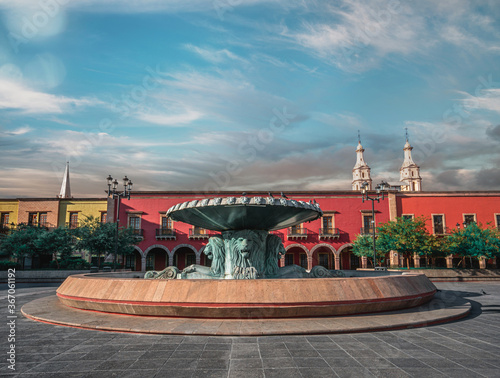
{"x":113,"y":193}
{"x":380,"y":196}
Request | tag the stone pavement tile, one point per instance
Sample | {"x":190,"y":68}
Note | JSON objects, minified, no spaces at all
{"x":52,"y":375}
{"x":334,"y":353}
{"x":130,"y":355}
{"x":494,"y":362}
{"x":324,"y":345}
{"x":415,"y":353}
{"x":167,"y":372}
{"x":182,"y":363}
{"x":95,"y":355}
{"x":247,"y":363}
{"x":407,"y":362}
{"x":149,"y":364}
{"x":439,"y":363}
{"x":21,"y":367}
{"x":243,"y":347}
{"x":362,"y":353}
{"x":278,"y":363}
{"x":318,"y":339}
{"x":245,"y":340}
{"x":156,"y":355}
{"x":49,"y":367}
{"x":353,"y":372}
{"x":113,"y":365}
{"x":280,"y":373}
{"x":352,"y":345}
{"x":216,"y":354}
{"x":374,"y":362}
{"x":135,"y":347}
{"x":473,"y":363}
{"x":304,"y":353}
{"x":216,"y":346}
{"x":299,"y":345}
{"x":191,"y":347}
{"x":342,"y":362}
{"x":38,"y":357}
{"x":254,"y":373}
{"x":186,"y":353}
{"x":275,"y":353}
{"x":389,"y":373}
{"x":494,"y":373}
{"x":269,"y":339}
{"x":213,"y":363}
{"x":81,"y":366}
{"x":245,"y":354}
{"x":317,"y":372}
{"x":310,"y":362}
{"x":272,"y":346}
{"x":209,"y":374}
{"x":425,"y":372}
{"x":161,"y":346}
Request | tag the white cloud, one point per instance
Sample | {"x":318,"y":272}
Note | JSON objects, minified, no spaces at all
{"x":175,"y":120}
{"x":487,"y":99}
{"x":215,"y":56}
{"x":17,"y":96}
{"x":19,"y":131}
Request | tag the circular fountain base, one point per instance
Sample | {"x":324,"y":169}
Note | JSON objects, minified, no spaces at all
{"x":245,"y":299}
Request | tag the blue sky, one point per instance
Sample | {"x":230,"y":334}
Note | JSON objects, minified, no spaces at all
{"x":246,"y":94}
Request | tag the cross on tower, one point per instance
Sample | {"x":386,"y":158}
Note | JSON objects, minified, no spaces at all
{"x":406,"y":128}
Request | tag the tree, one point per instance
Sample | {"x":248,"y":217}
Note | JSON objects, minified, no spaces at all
{"x":99,"y":238}
{"x":435,"y":247}
{"x":363,"y":246}
{"x":474,"y":241}
{"x":404,"y":235}
{"x":58,"y":242}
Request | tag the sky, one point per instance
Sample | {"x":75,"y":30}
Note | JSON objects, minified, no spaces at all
{"x":246,"y":94}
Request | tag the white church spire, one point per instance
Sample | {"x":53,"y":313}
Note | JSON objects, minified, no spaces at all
{"x":65,"y":187}
{"x":361,"y":171}
{"x":410,"y":172}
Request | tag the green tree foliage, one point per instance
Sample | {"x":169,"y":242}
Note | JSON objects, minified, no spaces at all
{"x":58,"y":242}
{"x":475,"y":241}
{"x":99,"y":238}
{"x":363,"y":246}
{"x":406,"y":236}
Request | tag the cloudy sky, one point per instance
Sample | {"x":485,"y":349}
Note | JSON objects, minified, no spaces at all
{"x":246,"y":94}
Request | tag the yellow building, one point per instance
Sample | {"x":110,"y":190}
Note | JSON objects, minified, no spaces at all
{"x":8,"y":212}
{"x":73,"y":210}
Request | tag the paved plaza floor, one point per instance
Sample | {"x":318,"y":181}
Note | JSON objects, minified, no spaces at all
{"x":465,"y":348}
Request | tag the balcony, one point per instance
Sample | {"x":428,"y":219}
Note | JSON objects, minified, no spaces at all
{"x":442,"y":231}
{"x":199,"y":233}
{"x":138,"y":233}
{"x":329,"y":233}
{"x":367,"y":231}
{"x":296,"y":233}
{"x":165,"y":234}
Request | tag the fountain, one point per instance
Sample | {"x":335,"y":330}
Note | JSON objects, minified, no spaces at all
{"x":244,"y":280}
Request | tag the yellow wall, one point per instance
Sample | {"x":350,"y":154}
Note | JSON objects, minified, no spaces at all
{"x":84,"y":207}
{"x":11,"y":207}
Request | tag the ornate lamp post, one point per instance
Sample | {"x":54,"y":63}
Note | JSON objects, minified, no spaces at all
{"x":380,"y":196}
{"x":113,"y":193}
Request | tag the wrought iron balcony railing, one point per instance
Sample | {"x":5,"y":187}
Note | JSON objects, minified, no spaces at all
{"x":297,"y":233}
{"x":199,"y":233}
{"x":165,"y":233}
{"x":367,"y":231}
{"x":138,"y":232}
{"x":330,"y":232}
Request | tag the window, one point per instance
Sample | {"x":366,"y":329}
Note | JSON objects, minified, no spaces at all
{"x":150,"y":261}
{"x":104,"y":217}
{"x":303,"y":260}
{"x":43,"y":219}
{"x":73,"y":220}
{"x":166,"y":223}
{"x":323,"y":260}
{"x":469,"y":218}
{"x":408,"y":216}
{"x":367,"y":224}
{"x":130,"y":262}
{"x":327,"y":223}
{"x":438,"y":224}
{"x":289,"y":259}
{"x":497,"y":217}
{"x":4,"y":219}
{"x":33,"y":219}
{"x":134,"y":222}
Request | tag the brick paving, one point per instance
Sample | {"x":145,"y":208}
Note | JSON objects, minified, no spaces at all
{"x":465,"y":348}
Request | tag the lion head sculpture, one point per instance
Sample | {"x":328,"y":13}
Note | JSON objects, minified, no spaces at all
{"x":215,"y":251}
{"x":274,"y":250}
{"x":246,"y":253}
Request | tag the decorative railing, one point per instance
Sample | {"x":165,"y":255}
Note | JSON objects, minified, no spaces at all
{"x":367,"y":231}
{"x":330,"y":232}
{"x":138,"y":232}
{"x":297,"y":233}
{"x":165,"y":233}
{"x":199,"y":233}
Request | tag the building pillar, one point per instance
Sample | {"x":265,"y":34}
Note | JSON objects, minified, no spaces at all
{"x":337,"y":262}
{"x":416,"y":260}
{"x":198,"y":259}
{"x":143,"y":263}
{"x":364,"y":262}
{"x":394,"y":257}
{"x":170,"y":260}
{"x":449,"y":261}
{"x":309,"y":262}
{"x":482,"y":262}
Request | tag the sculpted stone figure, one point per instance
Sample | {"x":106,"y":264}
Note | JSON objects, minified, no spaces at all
{"x":245,"y":251}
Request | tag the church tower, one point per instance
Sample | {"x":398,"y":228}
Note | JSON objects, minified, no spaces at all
{"x":65,"y":187}
{"x":410,"y":172}
{"x":361,"y":171}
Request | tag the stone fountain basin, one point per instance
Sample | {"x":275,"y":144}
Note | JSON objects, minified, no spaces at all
{"x":244,"y":299}
{"x":256,"y":213}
